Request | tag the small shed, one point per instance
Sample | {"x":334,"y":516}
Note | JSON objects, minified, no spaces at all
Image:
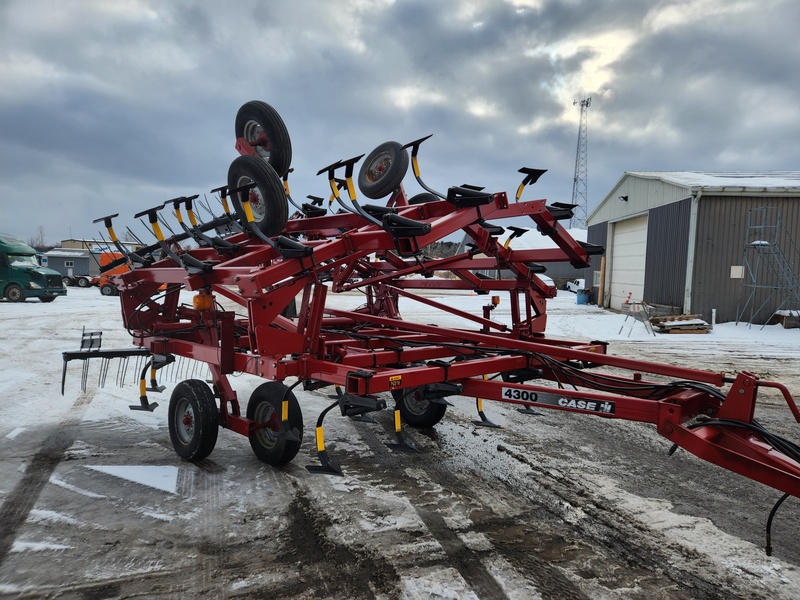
{"x":697,"y":242}
{"x":71,"y":262}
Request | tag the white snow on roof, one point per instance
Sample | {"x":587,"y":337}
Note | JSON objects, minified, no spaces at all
{"x":68,"y":253}
{"x":727,"y":180}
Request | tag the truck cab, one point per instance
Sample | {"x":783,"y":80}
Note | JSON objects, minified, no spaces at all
{"x":21,"y":275}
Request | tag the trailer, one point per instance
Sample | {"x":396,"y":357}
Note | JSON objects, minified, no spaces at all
{"x":264,"y":249}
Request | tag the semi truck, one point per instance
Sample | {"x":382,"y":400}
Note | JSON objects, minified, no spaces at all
{"x":21,"y":275}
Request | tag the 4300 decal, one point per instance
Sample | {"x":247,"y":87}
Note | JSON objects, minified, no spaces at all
{"x":597,"y":406}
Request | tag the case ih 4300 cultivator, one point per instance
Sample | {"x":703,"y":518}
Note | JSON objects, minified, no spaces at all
{"x":266,"y":258}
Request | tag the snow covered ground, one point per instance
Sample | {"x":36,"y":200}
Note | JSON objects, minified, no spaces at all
{"x":94,"y":503}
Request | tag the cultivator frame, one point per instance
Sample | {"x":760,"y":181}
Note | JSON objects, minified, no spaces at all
{"x":262,"y":262}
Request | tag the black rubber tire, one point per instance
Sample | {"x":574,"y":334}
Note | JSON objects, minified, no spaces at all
{"x":193,"y":420}
{"x":264,"y":406}
{"x":67,"y":281}
{"x":257,"y":120}
{"x":108,"y":290}
{"x":83,"y":282}
{"x":267,"y":201}
{"x":416,"y":410}
{"x":46,"y":298}
{"x":423,"y":197}
{"x":383,"y":170}
{"x":14,"y":293}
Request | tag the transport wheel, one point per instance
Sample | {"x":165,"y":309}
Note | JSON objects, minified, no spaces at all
{"x":14,"y":293}
{"x":82,"y":282}
{"x":416,"y":410}
{"x":267,"y":200}
{"x":383,"y":170}
{"x":108,"y":290}
{"x":46,"y":298}
{"x":67,"y":281}
{"x":264,"y":406}
{"x":262,"y":127}
{"x":423,"y":197}
{"x":193,"y":420}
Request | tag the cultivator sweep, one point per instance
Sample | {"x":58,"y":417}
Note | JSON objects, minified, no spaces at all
{"x":259,"y":258}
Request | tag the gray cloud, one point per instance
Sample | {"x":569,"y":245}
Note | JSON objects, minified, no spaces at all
{"x":116,"y":106}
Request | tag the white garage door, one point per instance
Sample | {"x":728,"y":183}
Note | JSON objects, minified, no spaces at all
{"x":627,"y":261}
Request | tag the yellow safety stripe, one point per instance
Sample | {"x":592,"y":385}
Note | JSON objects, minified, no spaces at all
{"x":112,"y":234}
{"x":397,"y":420}
{"x":286,"y":186}
{"x":192,"y":218}
{"x":157,"y":231}
{"x":225,"y":206}
{"x":285,"y":411}
{"x":415,"y":166}
{"x":179,"y":215}
{"x":351,"y":190}
{"x":248,"y":211}
{"x":142,"y":387}
{"x":334,"y":189}
{"x":320,"y":440}
{"x":479,"y":403}
{"x":519,"y":190}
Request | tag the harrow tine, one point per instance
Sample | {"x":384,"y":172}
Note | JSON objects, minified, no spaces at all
{"x":101,"y":377}
{"x":206,"y":206}
{"x":84,"y":375}
{"x":134,"y":236}
{"x":163,"y":221}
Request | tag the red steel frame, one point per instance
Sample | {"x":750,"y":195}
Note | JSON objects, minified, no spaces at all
{"x":372,"y":350}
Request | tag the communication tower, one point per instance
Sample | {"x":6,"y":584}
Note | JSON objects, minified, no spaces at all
{"x":579,"y":181}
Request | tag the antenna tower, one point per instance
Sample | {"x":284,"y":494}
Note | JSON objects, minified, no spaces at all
{"x":579,"y":181}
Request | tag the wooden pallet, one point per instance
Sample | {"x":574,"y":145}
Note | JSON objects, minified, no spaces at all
{"x":680,"y":324}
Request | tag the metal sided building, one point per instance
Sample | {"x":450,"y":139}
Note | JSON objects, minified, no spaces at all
{"x":71,"y":262}
{"x":699,"y":241}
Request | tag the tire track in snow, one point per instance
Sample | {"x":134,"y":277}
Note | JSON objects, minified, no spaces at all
{"x":19,"y":503}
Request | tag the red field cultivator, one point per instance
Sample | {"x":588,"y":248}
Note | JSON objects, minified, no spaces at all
{"x":259,"y":257}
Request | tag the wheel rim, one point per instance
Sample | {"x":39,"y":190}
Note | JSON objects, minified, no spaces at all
{"x":257,"y":204}
{"x":184,"y":421}
{"x":267,"y":436}
{"x":379,"y":167}
{"x":14,"y":294}
{"x":258,"y":138}
{"x":415,"y":403}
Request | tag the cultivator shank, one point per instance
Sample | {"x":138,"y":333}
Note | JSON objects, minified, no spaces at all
{"x":247,"y":267}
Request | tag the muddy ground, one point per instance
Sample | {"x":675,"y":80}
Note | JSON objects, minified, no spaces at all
{"x":95,"y":504}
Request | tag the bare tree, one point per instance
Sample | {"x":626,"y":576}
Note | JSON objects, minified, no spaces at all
{"x":37,"y":242}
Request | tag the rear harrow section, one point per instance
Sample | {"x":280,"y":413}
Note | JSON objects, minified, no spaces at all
{"x":279,"y":268}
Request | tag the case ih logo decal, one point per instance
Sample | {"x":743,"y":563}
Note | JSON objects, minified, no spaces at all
{"x":596,"y":406}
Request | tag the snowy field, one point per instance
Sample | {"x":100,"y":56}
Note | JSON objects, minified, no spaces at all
{"x":95,"y":504}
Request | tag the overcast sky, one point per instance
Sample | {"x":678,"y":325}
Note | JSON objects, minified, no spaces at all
{"x":117,"y":105}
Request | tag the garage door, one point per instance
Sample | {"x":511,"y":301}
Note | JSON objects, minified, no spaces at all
{"x":629,"y":243}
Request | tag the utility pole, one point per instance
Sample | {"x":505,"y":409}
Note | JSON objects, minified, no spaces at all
{"x":579,"y":181}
